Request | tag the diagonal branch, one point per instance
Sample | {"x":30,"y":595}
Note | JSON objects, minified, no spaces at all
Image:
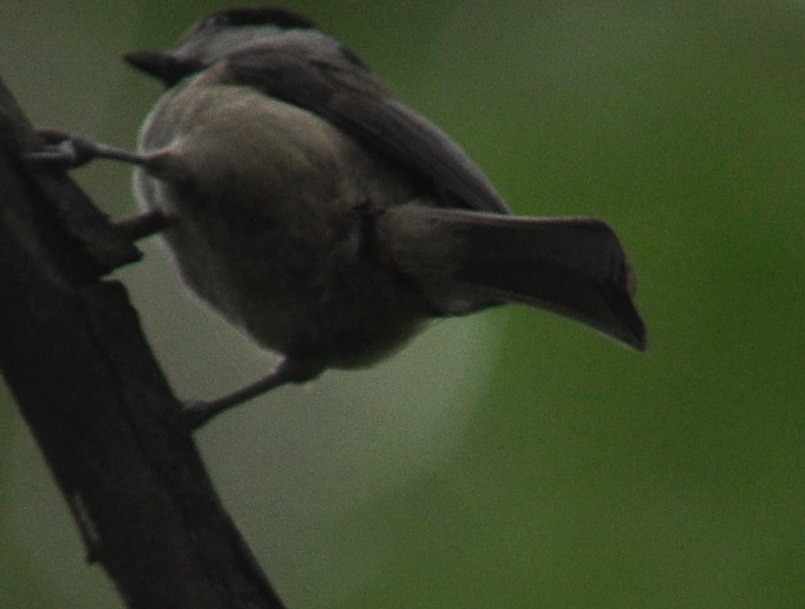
{"x":85,"y":380}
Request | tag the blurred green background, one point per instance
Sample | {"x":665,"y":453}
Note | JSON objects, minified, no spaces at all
{"x":511,"y":459}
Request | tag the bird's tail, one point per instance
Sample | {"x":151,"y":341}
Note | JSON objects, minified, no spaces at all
{"x":464,"y":260}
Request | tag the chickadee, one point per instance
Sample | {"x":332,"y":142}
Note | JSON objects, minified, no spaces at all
{"x":328,"y":220}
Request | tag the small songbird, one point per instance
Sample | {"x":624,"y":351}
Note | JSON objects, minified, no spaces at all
{"x":329,"y":221}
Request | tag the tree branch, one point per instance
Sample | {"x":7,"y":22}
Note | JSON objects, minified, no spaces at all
{"x":85,"y":380}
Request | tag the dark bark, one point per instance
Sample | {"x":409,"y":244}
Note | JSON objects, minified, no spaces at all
{"x":84,"y":378}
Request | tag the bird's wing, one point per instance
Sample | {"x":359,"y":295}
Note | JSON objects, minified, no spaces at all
{"x":326,"y":79}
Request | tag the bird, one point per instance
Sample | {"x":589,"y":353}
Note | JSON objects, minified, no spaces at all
{"x":329,"y":221}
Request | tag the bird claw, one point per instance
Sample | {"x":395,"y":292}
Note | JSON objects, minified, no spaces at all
{"x":195,"y":413}
{"x":63,"y":150}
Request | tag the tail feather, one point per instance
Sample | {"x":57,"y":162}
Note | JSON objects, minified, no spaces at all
{"x":575,"y":267}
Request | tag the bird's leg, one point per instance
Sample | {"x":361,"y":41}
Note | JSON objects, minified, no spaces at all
{"x":67,"y":151}
{"x":145,"y":224}
{"x":198,"y":413}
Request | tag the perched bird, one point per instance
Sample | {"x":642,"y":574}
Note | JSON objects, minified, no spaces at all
{"x":329,"y":221}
